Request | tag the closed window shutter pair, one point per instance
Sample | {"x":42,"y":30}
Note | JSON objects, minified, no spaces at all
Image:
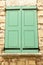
{"x":21,"y":35}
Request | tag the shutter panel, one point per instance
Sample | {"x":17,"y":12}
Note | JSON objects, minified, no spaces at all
{"x":13,"y":29}
{"x":21,"y":33}
{"x":29,"y":29}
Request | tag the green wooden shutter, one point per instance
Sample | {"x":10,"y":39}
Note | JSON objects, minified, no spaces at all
{"x":21,"y":34}
{"x":29,"y":29}
{"x":13,"y":29}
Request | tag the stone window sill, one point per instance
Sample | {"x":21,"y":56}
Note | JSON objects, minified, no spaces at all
{"x":20,"y":54}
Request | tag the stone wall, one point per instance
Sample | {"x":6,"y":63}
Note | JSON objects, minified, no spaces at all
{"x":21,"y":60}
{"x":2,"y":24}
{"x":24,"y":60}
{"x":20,"y":2}
{"x":40,"y":24}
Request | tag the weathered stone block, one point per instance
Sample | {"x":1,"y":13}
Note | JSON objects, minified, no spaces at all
{"x":32,"y":62}
{"x":21,"y":62}
{"x":40,"y":19}
{"x":27,"y":62}
{"x":2,"y":26}
{"x":6,"y":63}
{"x":20,"y":2}
{"x":1,"y":35}
{"x":40,"y":2}
{"x":2,"y":47}
{"x":1,"y":41}
{"x":2,"y":19}
{"x":40,"y":12}
{"x":13,"y":63}
{"x":2,"y":63}
{"x":2,"y":3}
{"x":2,"y":13}
{"x":40,"y":32}
{"x":2,"y":31}
{"x":39,"y":27}
{"x":1,"y":59}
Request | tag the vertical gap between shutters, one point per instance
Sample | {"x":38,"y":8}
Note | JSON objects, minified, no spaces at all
{"x":21,"y":29}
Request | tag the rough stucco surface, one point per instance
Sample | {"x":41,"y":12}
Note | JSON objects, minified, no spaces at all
{"x":21,"y":60}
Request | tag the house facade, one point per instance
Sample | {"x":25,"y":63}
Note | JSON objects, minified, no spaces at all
{"x":19,"y":58}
